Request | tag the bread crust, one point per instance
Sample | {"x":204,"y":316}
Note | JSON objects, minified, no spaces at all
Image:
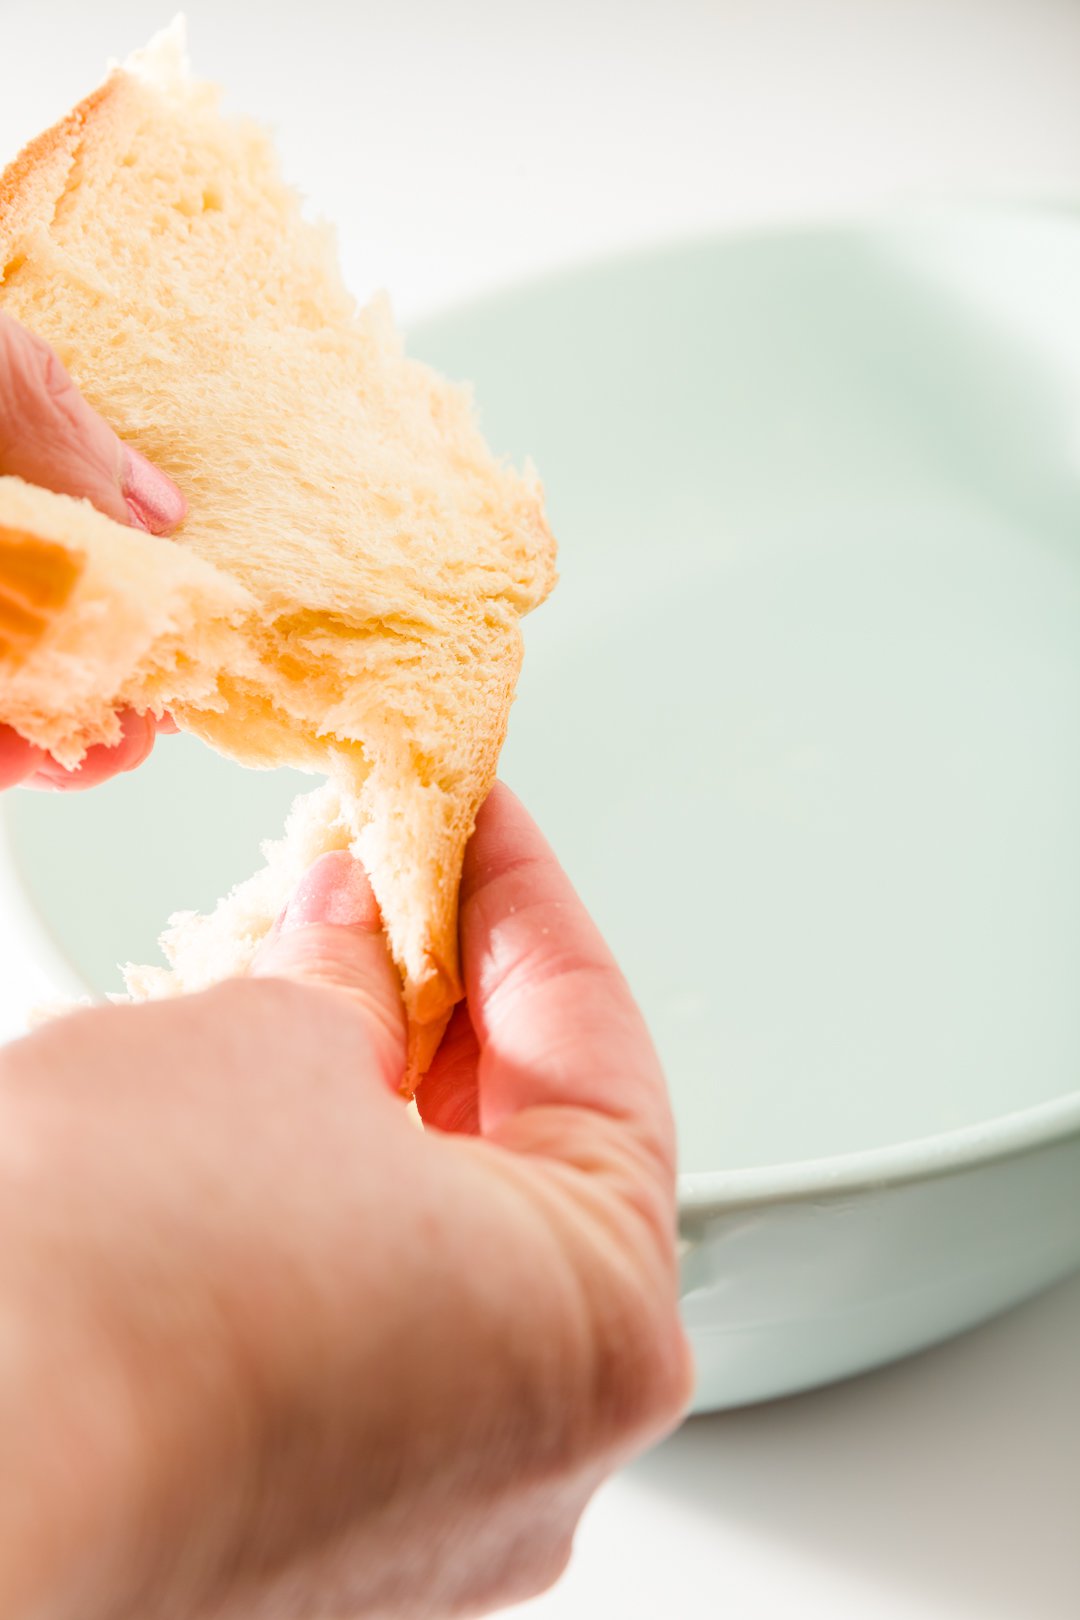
{"x":41,"y":197}
{"x":32,"y":181}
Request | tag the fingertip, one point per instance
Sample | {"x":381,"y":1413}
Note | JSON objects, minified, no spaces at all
{"x":104,"y":760}
{"x":330,"y":935}
{"x":137,"y":744}
{"x":19,"y":759}
{"x":335,"y":890}
{"x":153,"y":500}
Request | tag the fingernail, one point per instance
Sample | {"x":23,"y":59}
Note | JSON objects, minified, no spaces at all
{"x":335,"y":890}
{"x":153,"y":499}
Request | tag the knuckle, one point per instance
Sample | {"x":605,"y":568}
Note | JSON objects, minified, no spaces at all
{"x":647,"y":1380}
{"x":58,"y":385}
{"x":266,"y":1006}
{"x":671,"y":1382}
{"x":532,"y":1562}
{"x":544,"y":1566}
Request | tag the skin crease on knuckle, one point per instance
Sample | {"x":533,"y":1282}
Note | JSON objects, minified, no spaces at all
{"x":641,"y":1379}
{"x":622,"y":1374}
{"x":453,"y":1571}
{"x":618,"y":1169}
{"x":50,"y":435}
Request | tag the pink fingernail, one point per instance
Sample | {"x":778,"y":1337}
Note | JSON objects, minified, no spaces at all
{"x":335,"y":890}
{"x":153,"y":499}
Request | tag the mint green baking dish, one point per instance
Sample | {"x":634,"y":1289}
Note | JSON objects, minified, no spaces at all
{"x":801,"y":720}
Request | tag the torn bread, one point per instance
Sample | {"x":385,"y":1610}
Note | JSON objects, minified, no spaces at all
{"x":345,"y":593}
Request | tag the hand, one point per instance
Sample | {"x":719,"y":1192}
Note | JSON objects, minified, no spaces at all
{"x":50,"y":436}
{"x":270,"y":1350}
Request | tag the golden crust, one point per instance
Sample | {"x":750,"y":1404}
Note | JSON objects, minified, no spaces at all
{"x":39,"y":191}
{"x":32,"y":182}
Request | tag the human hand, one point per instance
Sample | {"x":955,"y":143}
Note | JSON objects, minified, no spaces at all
{"x":50,"y":436}
{"x":277,"y":1352}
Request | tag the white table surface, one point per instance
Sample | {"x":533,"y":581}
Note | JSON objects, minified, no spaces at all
{"x":459,"y":145}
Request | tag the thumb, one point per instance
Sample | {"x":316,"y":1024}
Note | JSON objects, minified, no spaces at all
{"x":330,"y":935}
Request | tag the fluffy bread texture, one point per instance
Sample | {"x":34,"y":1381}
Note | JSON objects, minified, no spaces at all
{"x":345,"y":592}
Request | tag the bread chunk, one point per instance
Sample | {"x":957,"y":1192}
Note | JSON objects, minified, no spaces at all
{"x":344,"y":595}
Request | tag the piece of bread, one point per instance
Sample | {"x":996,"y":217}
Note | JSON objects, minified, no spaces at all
{"x":345,"y":592}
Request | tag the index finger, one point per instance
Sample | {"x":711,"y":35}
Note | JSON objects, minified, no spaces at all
{"x":51,"y":436}
{"x":556,"y":1023}
{"x":103,"y":761}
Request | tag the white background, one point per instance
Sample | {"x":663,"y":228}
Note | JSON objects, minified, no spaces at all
{"x":459,"y":145}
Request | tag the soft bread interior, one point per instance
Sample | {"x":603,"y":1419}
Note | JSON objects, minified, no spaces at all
{"x":344,"y":595}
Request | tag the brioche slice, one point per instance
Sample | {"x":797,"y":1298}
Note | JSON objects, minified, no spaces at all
{"x":345,"y":592}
